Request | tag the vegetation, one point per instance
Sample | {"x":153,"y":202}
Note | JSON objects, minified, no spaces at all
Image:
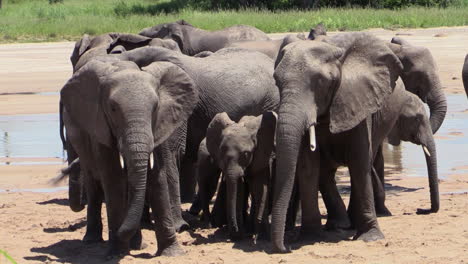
{"x":37,"y":20}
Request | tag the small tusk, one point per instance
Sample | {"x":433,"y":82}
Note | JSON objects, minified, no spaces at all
{"x":426,"y":150}
{"x":122,"y":163}
{"x":312,"y":143}
{"x":275,"y":114}
{"x":151,"y":158}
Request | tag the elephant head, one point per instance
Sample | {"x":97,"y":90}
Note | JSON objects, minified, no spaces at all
{"x":87,"y":48}
{"x":175,"y":31}
{"x":340,"y":81}
{"x":317,"y":32}
{"x":129,"y":110}
{"x":421,"y":78}
{"x":236,"y":148}
{"x":413,"y":125}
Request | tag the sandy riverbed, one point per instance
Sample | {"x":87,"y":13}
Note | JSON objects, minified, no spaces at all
{"x":40,"y":228}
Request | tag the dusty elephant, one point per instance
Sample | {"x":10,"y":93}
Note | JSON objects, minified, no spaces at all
{"x":111,"y":130}
{"x":192,"y":40}
{"x":241,"y":151}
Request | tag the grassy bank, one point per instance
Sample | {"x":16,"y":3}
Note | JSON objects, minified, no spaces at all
{"x":37,"y":20}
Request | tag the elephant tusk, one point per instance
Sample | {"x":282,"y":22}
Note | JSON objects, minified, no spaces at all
{"x":151,"y":159}
{"x":426,"y":151}
{"x":312,"y":143}
{"x":122,"y":163}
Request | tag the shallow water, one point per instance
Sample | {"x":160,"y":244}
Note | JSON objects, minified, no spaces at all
{"x":24,"y":136}
{"x":38,"y":136}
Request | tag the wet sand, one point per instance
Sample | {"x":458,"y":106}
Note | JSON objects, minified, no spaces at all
{"x":38,"y":227}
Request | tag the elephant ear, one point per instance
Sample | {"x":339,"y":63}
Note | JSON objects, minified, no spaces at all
{"x":177,"y":98}
{"x":265,"y":137}
{"x":317,"y":31}
{"x":128,"y":41}
{"x":368,"y":75}
{"x":81,"y":46}
{"x":213,"y":133}
{"x":81,"y":98}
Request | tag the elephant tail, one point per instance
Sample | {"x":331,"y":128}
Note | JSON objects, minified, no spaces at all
{"x":62,"y":134}
{"x":65,"y":172}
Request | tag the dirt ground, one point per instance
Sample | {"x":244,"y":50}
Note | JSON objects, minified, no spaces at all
{"x":38,"y":227}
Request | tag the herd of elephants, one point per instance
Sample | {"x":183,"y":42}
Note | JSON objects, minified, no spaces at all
{"x":176,"y":114}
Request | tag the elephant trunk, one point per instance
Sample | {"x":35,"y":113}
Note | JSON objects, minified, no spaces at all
{"x":431,"y":162}
{"x":232,"y":194}
{"x":437,"y":105}
{"x":293,"y":122}
{"x":138,"y":145}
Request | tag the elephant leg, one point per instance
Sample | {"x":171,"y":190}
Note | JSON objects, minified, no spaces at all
{"x":336,"y":209}
{"x":162,"y":214}
{"x":218,"y":213}
{"x":187,"y":180}
{"x":259,"y":192}
{"x":378,"y":184}
{"x":308,"y":178}
{"x":114,"y":185}
{"x":168,"y":170}
{"x":293,"y":208}
{"x":362,"y":207}
{"x":208,"y":177}
{"x":93,"y":217}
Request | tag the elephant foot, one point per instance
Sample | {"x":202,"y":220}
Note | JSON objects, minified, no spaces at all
{"x":136,"y":243}
{"x":382,"y":211}
{"x":281,"y":249}
{"x":92,"y":237}
{"x":421,"y":211}
{"x":116,"y":252}
{"x":338,"y":224}
{"x":173,"y":250}
{"x":181,"y":226}
{"x":372,"y":234}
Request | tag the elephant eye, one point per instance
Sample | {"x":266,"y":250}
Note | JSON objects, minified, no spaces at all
{"x":246,"y":155}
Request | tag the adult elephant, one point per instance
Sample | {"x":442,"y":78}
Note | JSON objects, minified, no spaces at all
{"x":420,"y":77}
{"x":236,"y":81}
{"x":192,"y":40}
{"x":115,"y":114}
{"x":86,"y":49}
{"x":465,"y":75}
{"x":336,"y":87}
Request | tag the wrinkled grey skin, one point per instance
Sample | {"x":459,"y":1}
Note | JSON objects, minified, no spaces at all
{"x":113,"y":107}
{"x":405,"y":112}
{"x":270,"y":48}
{"x":192,"y":40}
{"x":334,"y":87}
{"x":85,"y":50}
{"x":465,"y":75}
{"x":238,"y":82}
{"x":241,"y":151}
{"x":420,"y":78}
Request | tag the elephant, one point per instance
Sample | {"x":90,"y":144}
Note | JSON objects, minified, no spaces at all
{"x":270,"y":48}
{"x":421,"y":78}
{"x":85,"y":50}
{"x":465,"y":75}
{"x":116,"y":113}
{"x":334,"y":85}
{"x":192,"y":40}
{"x":236,"y":81}
{"x":241,"y":151}
{"x":89,"y":47}
{"x":412,"y":125}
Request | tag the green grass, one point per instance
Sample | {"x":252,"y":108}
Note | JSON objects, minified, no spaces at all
{"x":37,"y":20}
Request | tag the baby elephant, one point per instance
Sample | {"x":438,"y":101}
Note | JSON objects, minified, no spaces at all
{"x":241,"y":151}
